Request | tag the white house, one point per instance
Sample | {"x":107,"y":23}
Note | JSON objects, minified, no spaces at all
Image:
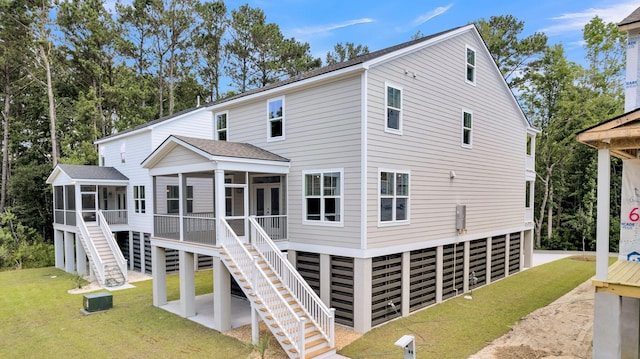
{"x":374,"y":187}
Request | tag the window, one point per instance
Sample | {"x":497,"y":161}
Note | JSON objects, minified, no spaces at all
{"x":221,"y":126}
{"x":394,"y":197}
{"x":529,"y":145}
{"x":467,"y":129}
{"x":138,"y":199}
{"x":228,"y":197}
{"x":275,"y":109}
{"x":394,"y":109}
{"x":471,"y":66}
{"x":527,"y":194}
{"x":123,"y":150}
{"x":173,"y":199}
{"x":323,"y":196}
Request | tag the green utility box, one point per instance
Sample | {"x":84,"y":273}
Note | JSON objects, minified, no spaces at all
{"x":96,"y":302}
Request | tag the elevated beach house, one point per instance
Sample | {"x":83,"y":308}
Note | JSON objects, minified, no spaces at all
{"x":352,"y":194}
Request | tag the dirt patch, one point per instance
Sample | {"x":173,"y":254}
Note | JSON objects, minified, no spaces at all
{"x":563,"y":329}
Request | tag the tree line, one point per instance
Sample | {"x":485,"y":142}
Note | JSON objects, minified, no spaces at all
{"x":72,"y":72}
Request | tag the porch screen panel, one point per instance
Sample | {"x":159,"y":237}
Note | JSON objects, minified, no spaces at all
{"x":422,"y":278}
{"x":452,"y":270}
{"x":498,"y":251}
{"x":342,"y":289}
{"x":478,"y":260}
{"x":386,"y":286}
{"x":514,"y":253}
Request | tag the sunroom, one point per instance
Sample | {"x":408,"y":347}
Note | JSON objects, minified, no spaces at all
{"x":195,"y":179}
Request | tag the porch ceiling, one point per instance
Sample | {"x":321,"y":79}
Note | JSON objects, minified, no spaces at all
{"x":623,"y":280}
{"x":620,"y":134}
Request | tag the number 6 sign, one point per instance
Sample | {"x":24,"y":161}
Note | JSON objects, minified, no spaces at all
{"x":634,"y":216}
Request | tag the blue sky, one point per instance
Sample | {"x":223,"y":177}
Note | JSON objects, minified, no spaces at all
{"x":382,"y":23}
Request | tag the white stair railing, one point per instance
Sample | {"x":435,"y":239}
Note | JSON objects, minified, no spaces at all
{"x":117,"y":253}
{"x":90,"y":248}
{"x":318,"y":312}
{"x":265,"y":291}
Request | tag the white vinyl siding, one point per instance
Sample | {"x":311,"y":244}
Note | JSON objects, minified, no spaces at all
{"x":488,"y":179}
{"x":323,"y":129}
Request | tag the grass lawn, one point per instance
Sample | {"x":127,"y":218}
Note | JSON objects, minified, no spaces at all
{"x":460,"y":327}
{"x":39,"y":319}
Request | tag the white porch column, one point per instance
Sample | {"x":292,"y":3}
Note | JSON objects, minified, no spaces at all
{"x":159,"y":275}
{"x":467,"y":266}
{"x":187,"y":285}
{"x":362,"y":268}
{"x":405,"y":297}
{"x":81,"y":258}
{"x":439,"y":270}
{"x":182,"y":192}
{"x":219,"y":202}
{"x":607,"y":306}
{"x":602,"y":226}
{"x":69,"y":252}
{"x":221,"y":296}
{"x":58,"y":241}
{"x":526,"y":243}
{"x":325,"y":279}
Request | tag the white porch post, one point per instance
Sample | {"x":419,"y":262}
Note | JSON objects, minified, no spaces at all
{"x":607,"y":306}
{"x":405,"y":297}
{"x":187,"y":285}
{"x":181,"y":203}
{"x":362,"y":268}
{"x":439,"y":269}
{"x":219,"y":201}
{"x":221,"y":296}
{"x":69,"y":255}
{"x":58,"y":240}
{"x":159,"y":274}
{"x":325,"y":278}
{"x":467,"y":266}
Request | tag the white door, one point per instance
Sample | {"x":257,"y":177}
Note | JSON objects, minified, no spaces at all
{"x":267,"y":205}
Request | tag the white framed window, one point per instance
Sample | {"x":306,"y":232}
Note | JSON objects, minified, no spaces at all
{"x":393,"y":197}
{"x":222,"y":126}
{"x":467,"y":128}
{"x":393,"y":108}
{"x":173,"y":199}
{"x":123,"y":150}
{"x":470,"y":59}
{"x":323,"y":197}
{"x":528,"y":195}
{"x":139,"y":201}
{"x":275,"y":119}
{"x":228,"y":197}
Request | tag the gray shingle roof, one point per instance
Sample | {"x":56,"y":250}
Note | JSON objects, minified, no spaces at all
{"x":83,"y":172}
{"x":231,"y":149}
{"x":307,"y":75}
{"x":634,"y":17}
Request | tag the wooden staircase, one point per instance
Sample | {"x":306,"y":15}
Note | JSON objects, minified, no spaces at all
{"x":300,"y":333}
{"x":113,"y":275}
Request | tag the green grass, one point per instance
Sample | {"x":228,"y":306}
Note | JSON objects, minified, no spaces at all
{"x":460,"y":327}
{"x":38,"y":318}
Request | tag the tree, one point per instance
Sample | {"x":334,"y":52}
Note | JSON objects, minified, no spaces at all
{"x":513,"y":55}
{"x":296,"y":57}
{"x":345,"y":52}
{"x":208,"y":44}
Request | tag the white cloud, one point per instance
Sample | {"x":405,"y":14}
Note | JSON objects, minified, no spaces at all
{"x":324,"y":29}
{"x":430,"y":15}
{"x":575,"y":21}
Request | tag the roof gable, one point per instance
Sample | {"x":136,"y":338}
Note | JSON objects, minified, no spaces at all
{"x":87,"y":173}
{"x":630,"y":21}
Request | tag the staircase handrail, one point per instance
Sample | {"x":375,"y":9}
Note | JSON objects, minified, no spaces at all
{"x":90,"y":247}
{"x":117,"y":253}
{"x":318,"y":312}
{"x":244,"y":262}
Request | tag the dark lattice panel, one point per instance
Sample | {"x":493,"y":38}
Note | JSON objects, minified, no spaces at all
{"x":308,"y":265}
{"x":423,"y":278}
{"x":478,"y":260}
{"x":514,"y":253}
{"x":452,"y":270}
{"x":498,"y":264}
{"x":386,"y":287}
{"x":342,"y":289}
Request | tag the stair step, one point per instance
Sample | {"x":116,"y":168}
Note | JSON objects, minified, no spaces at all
{"x":318,"y":352}
{"x":311,"y":333}
{"x":314,"y":343}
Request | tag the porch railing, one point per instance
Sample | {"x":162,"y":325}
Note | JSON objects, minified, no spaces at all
{"x":318,"y":312}
{"x":115,"y":216}
{"x":91,"y":250}
{"x":274,"y":226}
{"x":166,"y":226}
{"x":199,"y":229}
